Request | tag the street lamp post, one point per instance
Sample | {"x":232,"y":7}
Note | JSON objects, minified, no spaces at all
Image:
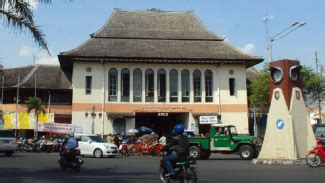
{"x":319,"y":93}
{"x":254,"y":111}
{"x":93,"y":116}
{"x":284,"y":33}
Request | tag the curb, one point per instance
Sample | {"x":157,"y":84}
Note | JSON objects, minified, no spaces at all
{"x":278,"y":162}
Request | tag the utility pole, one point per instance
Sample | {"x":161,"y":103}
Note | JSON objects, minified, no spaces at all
{"x":17,"y":100}
{"x":35,"y":75}
{"x":318,"y":93}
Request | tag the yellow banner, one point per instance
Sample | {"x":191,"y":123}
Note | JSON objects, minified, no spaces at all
{"x":8,"y":121}
{"x":42,"y":118}
{"x":23,"y":121}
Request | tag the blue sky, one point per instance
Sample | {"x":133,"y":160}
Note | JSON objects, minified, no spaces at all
{"x":68,"y":25}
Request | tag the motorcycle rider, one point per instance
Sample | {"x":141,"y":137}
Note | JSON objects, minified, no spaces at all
{"x":179,"y":147}
{"x":69,"y":143}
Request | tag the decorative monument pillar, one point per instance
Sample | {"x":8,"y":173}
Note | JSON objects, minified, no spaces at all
{"x":288,"y":133}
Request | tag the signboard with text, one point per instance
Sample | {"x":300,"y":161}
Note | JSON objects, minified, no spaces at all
{"x":208,"y":119}
{"x":61,"y":128}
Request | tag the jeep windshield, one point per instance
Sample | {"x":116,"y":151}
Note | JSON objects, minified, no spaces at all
{"x":233,"y":130}
{"x":96,"y":139}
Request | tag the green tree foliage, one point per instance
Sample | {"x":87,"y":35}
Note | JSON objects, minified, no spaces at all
{"x":259,"y":88}
{"x":18,"y":16}
{"x":36,"y":104}
{"x":312,"y":84}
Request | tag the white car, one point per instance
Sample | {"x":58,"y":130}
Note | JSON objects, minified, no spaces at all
{"x":7,"y":142}
{"x":94,"y":145}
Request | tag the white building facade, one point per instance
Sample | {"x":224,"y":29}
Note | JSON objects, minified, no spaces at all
{"x":156,"y":69}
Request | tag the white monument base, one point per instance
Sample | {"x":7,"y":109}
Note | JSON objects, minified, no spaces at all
{"x":289,"y":134}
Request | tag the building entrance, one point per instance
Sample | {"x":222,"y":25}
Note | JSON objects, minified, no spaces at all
{"x":161,"y":123}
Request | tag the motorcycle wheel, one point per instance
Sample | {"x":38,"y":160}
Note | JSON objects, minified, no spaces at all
{"x":313,"y":160}
{"x":190,"y":176}
{"x":163,"y":178}
{"x":62,"y":167}
{"x":76,"y":169}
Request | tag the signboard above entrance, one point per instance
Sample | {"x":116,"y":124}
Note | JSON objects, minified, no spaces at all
{"x":208,"y":119}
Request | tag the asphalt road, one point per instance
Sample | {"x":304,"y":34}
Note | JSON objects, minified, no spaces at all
{"x":43,"y":167}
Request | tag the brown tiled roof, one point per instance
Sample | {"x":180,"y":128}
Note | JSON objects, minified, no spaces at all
{"x":47,"y":77}
{"x":252,"y":73}
{"x":156,"y":36}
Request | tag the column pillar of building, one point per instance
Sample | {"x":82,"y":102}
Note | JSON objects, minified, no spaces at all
{"x":167,"y":86}
{"x":203,"y":86}
{"x":143,"y":92}
{"x":155,"y":85}
{"x":179,"y":86}
{"x":131,"y":86}
{"x":191,"y":86}
{"x":118,"y":84}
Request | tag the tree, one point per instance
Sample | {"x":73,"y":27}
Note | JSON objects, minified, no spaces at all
{"x":312,"y":84}
{"x":36,"y":104}
{"x":259,"y":88}
{"x":18,"y":15}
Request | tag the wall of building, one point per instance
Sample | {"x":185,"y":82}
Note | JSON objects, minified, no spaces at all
{"x":232,"y":108}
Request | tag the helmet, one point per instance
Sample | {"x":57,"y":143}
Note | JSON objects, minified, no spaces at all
{"x":179,"y":129}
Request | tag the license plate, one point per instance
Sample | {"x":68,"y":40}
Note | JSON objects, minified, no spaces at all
{"x":78,"y":157}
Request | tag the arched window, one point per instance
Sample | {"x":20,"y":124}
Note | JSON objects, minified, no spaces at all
{"x":161,"y":81}
{"x":149,"y":85}
{"x":112,"y":85}
{"x":185,"y":86}
{"x":125,"y":85}
{"x":197,"y":85}
{"x":173,"y":85}
{"x":208,"y":86}
{"x":137,"y":85}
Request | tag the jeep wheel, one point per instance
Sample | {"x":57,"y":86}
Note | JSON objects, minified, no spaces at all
{"x":246,"y":152}
{"x":195,"y":152}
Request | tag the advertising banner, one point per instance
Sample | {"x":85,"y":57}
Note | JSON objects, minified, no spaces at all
{"x":61,"y":128}
{"x":8,"y":121}
{"x":25,"y":120}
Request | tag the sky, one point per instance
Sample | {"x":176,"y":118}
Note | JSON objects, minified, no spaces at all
{"x":67,"y":24}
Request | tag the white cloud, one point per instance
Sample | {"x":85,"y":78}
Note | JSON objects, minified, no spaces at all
{"x":25,"y":51}
{"x":41,"y":56}
{"x":248,"y":48}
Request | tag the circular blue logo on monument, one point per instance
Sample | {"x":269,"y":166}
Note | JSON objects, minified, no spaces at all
{"x":279,"y":123}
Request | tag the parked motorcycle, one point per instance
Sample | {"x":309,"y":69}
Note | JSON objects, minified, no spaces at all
{"x":70,"y":159}
{"x":185,"y":170}
{"x":316,"y":155}
{"x":124,"y":149}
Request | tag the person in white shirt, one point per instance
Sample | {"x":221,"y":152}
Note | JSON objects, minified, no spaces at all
{"x":162,"y":140}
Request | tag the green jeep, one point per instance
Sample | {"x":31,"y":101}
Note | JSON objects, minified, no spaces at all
{"x":224,"y":139}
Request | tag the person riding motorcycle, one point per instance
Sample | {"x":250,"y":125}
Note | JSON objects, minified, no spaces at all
{"x":69,"y":143}
{"x":179,"y":148}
